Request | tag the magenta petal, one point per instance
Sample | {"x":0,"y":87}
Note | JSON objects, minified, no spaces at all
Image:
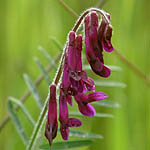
{"x":87,"y":110}
{"x":73,"y":122}
{"x":64,"y":132}
{"x":105,"y":72}
{"x":65,"y":79}
{"x":90,"y":84}
{"x":71,"y":59}
{"x":78,"y":46}
{"x":96,"y":96}
{"x":106,"y":42}
{"x":63,"y":109}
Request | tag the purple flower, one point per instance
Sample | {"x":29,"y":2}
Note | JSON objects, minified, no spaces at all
{"x":84,"y":100}
{"x":78,"y":78}
{"x":51,"y":124}
{"x":97,"y":38}
{"x":65,"y":121}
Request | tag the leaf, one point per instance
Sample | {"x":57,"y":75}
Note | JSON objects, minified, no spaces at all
{"x":33,"y":90}
{"x":103,"y":115}
{"x":45,"y":74}
{"x":57,"y":43}
{"x":17,"y":123}
{"x":47,"y":56}
{"x":25,"y":111}
{"x":84,"y":135}
{"x":113,"y":68}
{"x":107,"y":103}
{"x":110,"y":84}
{"x":67,"y":145}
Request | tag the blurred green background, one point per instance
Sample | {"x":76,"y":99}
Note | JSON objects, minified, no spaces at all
{"x":26,"y":24}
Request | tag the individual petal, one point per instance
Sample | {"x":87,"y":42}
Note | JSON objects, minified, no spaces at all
{"x":101,"y":29}
{"x":63,"y":116}
{"x":85,"y":108}
{"x":93,"y":31}
{"x":63,"y":109}
{"x":50,"y":132}
{"x":96,"y":65}
{"x":78,"y":48}
{"x":74,"y":52}
{"x":65,"y":79}
{"x":105,"y":72}
{"x":106,"y":42}
{"x":71,"y":59}
{"x":91,"y":24}
{"x":64,"y":131}
{"x":96,"y":96}
{"x":89,"y":83}
{"x":73,"y":122}
{"x":77,"y":85}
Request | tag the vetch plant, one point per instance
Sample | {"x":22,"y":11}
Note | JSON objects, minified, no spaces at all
{"x":75,"y":82}
{"x":72,"y":82}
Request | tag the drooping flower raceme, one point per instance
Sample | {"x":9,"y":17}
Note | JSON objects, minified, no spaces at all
{"x":75,"y":81}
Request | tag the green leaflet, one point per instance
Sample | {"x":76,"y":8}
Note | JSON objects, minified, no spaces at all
{"x":44,"y":72}
{"x":103,"y":115}
{"x":110,"y":84}
{"x":67,"y":145}
{"x":33,"y":90}
{"x":107,"y":103}
{"x":82,"y":134}
{"x":57,"y":43}
{"x":16,"y":121}
{"x":47,"y":56}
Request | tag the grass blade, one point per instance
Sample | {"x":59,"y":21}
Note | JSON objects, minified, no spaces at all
{"x":107,"y":103}
{"x":17,"y":123}
{"x":47,"y":56}
{"x":57,"y":43}
{"x":25,"y":111}
{"x":84,"y":135}
{"x":103,"y":115}
{"x":110,"y":84}
{"x":45,"y":74}
{"x":33,"y":90}
{"x":67,"y":145}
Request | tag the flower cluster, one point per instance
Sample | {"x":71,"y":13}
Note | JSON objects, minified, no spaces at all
{"x":75,"y":81}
